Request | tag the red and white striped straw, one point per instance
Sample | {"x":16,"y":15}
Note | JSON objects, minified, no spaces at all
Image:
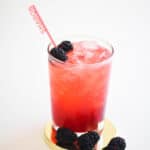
{"x":39,"y":21}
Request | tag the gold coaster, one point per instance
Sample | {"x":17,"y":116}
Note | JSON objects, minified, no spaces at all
{"x":108,"y":133}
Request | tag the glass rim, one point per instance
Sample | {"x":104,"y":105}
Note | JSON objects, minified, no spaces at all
{"x":111,"y":49}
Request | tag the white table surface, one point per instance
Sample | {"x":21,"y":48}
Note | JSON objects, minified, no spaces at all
{"x":24,"y":89}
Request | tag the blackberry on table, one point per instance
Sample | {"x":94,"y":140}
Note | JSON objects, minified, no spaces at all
{"x":65,"y":138}
{"x":94,"y":136}
{"x":116,"y":143}
{"x":111,"y":148}
{"x":88,"y":140}
{"x":85,"y":142}
{"x":67,"y":146}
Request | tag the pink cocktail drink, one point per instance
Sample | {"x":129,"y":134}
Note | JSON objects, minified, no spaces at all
{"x":79,"y":86}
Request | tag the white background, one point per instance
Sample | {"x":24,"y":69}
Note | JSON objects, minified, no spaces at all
{"x":24,"y":89}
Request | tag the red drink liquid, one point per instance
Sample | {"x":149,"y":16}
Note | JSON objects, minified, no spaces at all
{"x":79,"y":87}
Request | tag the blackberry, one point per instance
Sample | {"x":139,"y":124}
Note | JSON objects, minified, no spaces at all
{"x":116,"y":143}
{"x":88,"y":140}
{"x":85,"y":143}
{"x":69,"y":147}
{"x":65,"y":138}
{"x":111,"y":148}
{"x":58,"y":53}
{"x":93,"y":136}
{"x":66,"y":46}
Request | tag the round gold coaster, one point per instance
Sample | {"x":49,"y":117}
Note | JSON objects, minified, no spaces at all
{"x":108,"y":133}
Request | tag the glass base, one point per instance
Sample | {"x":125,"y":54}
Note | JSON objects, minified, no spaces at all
{"x":108,"y":132}
{"x":98,"y":130}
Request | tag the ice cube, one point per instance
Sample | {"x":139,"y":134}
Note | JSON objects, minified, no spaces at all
{"x":76,"y":56}
{"x":102,"y":55}
{"x":89,"y":45}
{"x":88,"y":56}
{"x":87,"y":52}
